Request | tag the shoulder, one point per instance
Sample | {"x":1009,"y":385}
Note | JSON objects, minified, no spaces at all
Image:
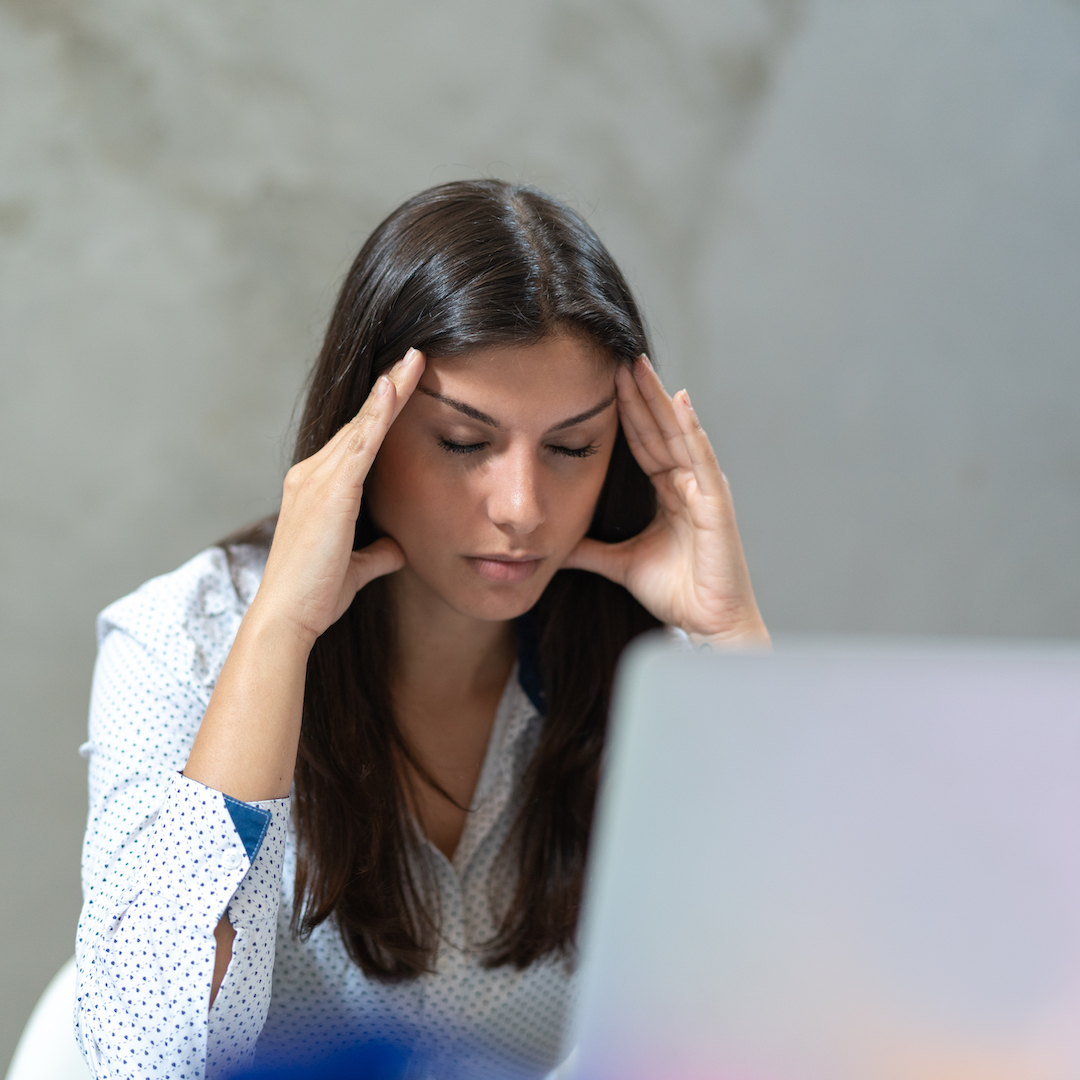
{"x":186,"y":620}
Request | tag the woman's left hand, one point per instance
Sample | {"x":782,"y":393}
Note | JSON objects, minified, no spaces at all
{"x":687,"y":567}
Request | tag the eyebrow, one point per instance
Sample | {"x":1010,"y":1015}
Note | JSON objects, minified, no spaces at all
{"x":490,"y":421}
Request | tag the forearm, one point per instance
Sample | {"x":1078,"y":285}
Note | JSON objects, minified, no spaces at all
{"x":247,"y":741}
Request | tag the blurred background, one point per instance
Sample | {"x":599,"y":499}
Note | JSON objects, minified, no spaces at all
{"x":854,"y":226}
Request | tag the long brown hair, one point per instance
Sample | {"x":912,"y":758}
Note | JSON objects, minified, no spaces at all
{"x":460,"y":267}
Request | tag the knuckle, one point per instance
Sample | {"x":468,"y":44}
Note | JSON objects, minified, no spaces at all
{"x":365,"y":435}
{"x":294,"y":478}
{"x":359,"y":440}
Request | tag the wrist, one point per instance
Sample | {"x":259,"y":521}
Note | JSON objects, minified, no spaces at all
{"x":276,"y":631}
{"x":750,"y":636}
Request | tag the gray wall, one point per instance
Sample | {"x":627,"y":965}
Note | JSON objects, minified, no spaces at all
{"x":854,"y":224}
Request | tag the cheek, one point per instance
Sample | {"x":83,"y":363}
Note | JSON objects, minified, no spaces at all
{"x":388,"y":490}
{"x":410,"y":497}
{"x":576,"y":503}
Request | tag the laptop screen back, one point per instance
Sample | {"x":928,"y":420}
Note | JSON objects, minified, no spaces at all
{"x":837,"y":863}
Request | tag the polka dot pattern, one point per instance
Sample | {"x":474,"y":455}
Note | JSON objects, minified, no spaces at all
{"x":163,"y":861}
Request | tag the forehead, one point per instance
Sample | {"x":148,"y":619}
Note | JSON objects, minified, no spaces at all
{"x":550,"y":380}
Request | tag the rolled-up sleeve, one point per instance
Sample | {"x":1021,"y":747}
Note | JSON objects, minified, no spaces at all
{"x":164,"y":859}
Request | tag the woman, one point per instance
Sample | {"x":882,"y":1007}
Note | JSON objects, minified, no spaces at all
{"x":389,"y":719}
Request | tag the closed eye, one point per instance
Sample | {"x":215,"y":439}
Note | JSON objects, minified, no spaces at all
{"x":461,"y":448}
{"x":576,"y":451}
{"x":452,"y":447}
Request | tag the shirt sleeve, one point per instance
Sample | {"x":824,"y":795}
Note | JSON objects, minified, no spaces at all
{"x":164,"y":858}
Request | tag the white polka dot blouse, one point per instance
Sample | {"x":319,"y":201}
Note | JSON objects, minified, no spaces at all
{"x":165,"y":858}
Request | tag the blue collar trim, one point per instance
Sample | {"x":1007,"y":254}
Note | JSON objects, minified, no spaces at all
{"x":529,"y":676}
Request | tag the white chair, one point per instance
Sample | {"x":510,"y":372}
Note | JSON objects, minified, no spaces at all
{"x":47,"y":1049}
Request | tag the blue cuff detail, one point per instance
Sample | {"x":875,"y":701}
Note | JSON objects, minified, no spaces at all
{"x":251,"y":823}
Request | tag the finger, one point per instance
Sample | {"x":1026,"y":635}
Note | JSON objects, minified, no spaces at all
{"x":382,"y":557}
{"x":361,"y":438}
{"x":405,"y":374}
{"x":325,"y":451}
{"x":663,"y":412}
{"x":390,"y":392}
{"x":359,"y":441}
{"x":642,"y":431}
{"x":608,"y":560}
{"x":710,"y":480}
{"x":650,"y":466}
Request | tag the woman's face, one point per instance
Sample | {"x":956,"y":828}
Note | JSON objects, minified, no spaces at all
{"x":490,"y":474}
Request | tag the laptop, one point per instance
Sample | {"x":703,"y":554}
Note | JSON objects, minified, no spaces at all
{"x":837,"y":862}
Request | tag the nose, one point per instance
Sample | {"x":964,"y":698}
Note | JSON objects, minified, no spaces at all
{"x":514,"y":500}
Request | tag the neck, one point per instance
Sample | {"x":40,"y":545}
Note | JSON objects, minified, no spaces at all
{"x":442,"y":654}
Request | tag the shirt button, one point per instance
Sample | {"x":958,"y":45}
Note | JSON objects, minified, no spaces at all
{"x":232,"y":859}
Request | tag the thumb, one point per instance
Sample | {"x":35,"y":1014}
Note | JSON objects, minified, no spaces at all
{"x":607,"y":560}
{"x":382,"y":557}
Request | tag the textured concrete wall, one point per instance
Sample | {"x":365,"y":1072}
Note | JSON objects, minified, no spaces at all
{"x":854,"y":225}
{"x":891,"y":287}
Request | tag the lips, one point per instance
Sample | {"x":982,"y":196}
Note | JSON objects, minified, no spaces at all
{"x":503,"y":568}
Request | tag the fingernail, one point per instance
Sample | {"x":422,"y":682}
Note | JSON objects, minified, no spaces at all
{"x":409,"y":357}
{"x":382,"y":386}
{"x":686,"y":399}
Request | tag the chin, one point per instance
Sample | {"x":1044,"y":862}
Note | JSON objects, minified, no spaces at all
{"x":497,"y":605}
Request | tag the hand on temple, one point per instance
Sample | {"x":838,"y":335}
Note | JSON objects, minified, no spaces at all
{"x":687,"y":567}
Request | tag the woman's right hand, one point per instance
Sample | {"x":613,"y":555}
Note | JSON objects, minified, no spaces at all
{"x":246,"y":743}
{"x":312,"y":573}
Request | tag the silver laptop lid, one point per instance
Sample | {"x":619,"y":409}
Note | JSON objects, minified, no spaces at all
{"x":837,"y":863}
